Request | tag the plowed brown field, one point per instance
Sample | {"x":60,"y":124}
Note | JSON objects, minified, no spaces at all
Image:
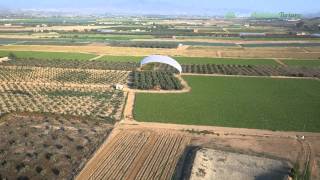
{"x":137,"y":154}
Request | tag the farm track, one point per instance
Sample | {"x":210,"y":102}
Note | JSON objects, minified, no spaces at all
{"x":280,"y":62}
{"x":137,"y":154}
{"x":305,"y":156}
{"x":97,"y":57}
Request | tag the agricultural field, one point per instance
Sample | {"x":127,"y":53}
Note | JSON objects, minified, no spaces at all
{"x":91,"y":36}
{"x":137,"y":154}
{"x":71,"y":64}
{"x":249,"y":70}
{"x":304,"y":63}
{"x":212,"y":52}
{"x":48,"y":55}
{"x":121,"y":58}
{"x":144,"y":44}
{"x":315,"y":44}
{"x":44,"y":146}
{"x":155,"y":80}
{"x":225,"y":61}
{"x":75,"y":103}
{"x":198,"y":60}
{"x":214,"y":164}
{"x":99,"y":103}
{"x":62,"y":75}
{"x":259,"y":103}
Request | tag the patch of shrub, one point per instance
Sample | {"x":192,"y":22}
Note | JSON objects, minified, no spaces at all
{"x":79,"y":147}
{"x":23,"y":178}
{"x":39,"y":169}
{"x":20,"y":166}
{"x":48,"y":156}
{"x":59,"y":146}
{"x":55,"y":171}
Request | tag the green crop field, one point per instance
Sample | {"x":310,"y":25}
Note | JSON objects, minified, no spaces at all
{"x":48,"y":55}
{"x":262,"y":103}
{"x":306,"y":63}
{"x":122,"y":58}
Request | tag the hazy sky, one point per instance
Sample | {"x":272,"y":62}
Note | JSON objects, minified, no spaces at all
{"x":169,"y":6}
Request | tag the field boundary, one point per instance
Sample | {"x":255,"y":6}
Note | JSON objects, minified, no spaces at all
{"x":97,"y":57}
{"x":221,"y":131}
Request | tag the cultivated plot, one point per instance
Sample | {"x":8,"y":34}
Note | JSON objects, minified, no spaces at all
{"x":100,"y":103}
{"x":259,"y":103}
{"x":35,"y":146}
{"x":137,"y":154}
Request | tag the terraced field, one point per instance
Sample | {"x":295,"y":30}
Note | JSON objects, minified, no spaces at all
{"x":137,"y":154}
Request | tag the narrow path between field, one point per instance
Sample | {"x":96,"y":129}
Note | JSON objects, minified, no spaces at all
{"x":280,"y":62}
{"x":128,"y":110}
{"x":97,"y":57}
{"x":219,"y":54}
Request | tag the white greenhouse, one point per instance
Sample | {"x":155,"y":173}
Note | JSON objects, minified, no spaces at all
{"x":161,"y":59}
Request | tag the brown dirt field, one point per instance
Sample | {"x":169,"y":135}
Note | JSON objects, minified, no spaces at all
{"x":235,"y":52}
{"x":223,"y":165}
{"x":137,"y":154}
{"x":284,"y":146}
{"x":275,"y":145}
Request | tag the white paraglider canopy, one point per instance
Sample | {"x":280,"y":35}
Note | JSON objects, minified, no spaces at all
{"x":161,"y":59}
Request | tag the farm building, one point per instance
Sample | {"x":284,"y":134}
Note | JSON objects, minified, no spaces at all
{"x":161,"y":59}
{"x":119,"y":87}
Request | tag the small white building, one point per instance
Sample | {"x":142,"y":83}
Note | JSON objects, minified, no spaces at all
{"x":119,"y":87}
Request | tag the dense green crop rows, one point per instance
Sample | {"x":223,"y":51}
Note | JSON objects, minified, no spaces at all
{"x":155,"y":80}
{"x":262,"y":103}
